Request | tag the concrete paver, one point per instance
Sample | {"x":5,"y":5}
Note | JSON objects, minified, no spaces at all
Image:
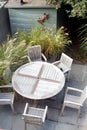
{"x":68,"y":121}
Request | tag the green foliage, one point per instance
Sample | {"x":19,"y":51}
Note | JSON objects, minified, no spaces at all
{"x":3,"y":67}
{"x":83,"y":38}
{"x":50,"y":43}
{"x":79,"y":9}
{"x":13,"y":53}
{"x":12,"y":56}
{"x":22,"y":35}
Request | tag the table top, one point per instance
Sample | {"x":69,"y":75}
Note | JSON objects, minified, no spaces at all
{"x":38,"y":80}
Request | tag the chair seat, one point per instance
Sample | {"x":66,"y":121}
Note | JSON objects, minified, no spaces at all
{"x":62,"y":67}
{"x":72,"y":101}
{"x":64,"y":64}
{"x":75,"y":99}
{"x":34,"y":115}
{"x":36,"y":112}
{"x":6,"y":98}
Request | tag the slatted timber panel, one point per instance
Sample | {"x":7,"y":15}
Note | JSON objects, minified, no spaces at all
{"x":26,"y":18}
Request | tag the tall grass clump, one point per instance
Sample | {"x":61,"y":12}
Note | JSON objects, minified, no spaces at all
{"x":51,"y":44}
{"x":13,"y":53}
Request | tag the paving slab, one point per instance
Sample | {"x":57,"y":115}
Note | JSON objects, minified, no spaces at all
{"x":64,"y":126}
{"x":69,"y":116}
{"x":68,"y":121}
{"x":78,"y":72}
{"x":6,"y":117}
{"x":81,"y":128}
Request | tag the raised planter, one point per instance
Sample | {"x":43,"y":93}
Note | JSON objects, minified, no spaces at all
{"x":26,"y":16}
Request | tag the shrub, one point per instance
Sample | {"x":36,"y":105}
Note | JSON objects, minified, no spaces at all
{"x":51,"y":44}
{"x":75,"y":8}
{"x":13,"y":52}
{"x":83,"y":38}
{"x":12,"y":56}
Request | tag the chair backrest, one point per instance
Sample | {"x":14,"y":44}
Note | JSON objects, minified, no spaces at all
{"x":34,"y":53}
{"x":83,"y":95}
{"x":7,"y":98}
{"x":32,"y":119}
{"x":66,"y":60}
{"x":34,"y":115}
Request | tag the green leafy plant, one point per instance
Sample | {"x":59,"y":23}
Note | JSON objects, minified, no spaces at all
{"x":12,"y":56}
{"x":79,"y":9}
{"x":76,"y":8}
{"x":83,"y":38}
{"x":51,"y":44}
{"x":14,"y":51}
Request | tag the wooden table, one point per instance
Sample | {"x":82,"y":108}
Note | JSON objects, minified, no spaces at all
{"x":38,"y":80}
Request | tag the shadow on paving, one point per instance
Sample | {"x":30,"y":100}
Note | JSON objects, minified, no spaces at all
{"x":10,"y":121}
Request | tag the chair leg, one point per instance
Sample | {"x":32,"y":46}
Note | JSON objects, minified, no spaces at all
{"x":12,"y":107}
{"x":62,"y":109}
{"x":68,"y":76}
{"x":78,"y":113}
{"x":78,"y":117}
{"x":25,"y":126}
{"x":42,"y":127}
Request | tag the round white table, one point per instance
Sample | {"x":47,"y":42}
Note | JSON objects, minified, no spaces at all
{"x":38,"y":80}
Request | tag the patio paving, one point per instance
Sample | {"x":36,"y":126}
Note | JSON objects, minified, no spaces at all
{"x":68,"y":121}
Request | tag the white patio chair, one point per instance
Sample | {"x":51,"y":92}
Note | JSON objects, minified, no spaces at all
{"x":34,"y":54}
{"x":34,"y":116}
{"x":64,"y":64}
{"x":7,"y":98}
{"x":74,"y":98}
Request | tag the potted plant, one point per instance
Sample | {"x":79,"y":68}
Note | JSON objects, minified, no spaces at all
{"x":51,"y":44}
